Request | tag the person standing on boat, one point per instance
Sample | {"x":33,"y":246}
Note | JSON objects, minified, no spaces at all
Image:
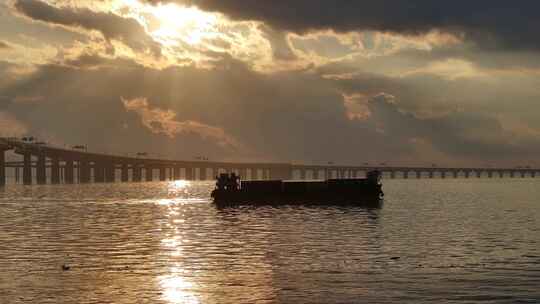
{"x":233,"y":181}
{"x":222,"y":181}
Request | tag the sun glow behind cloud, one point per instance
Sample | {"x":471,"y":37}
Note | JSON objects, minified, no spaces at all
{"x":188,"y":35}
{"x":186,"y":23}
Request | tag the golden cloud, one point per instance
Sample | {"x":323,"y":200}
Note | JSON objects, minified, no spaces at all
{"x":162,"y":121}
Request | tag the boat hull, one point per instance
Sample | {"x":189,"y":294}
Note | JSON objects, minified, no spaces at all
{"x":365,"y":198}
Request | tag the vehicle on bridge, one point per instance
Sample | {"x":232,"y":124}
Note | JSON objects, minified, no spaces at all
{"x":231,"y":191}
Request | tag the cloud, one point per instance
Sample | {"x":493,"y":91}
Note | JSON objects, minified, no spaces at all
{"x":111,"y":26}
{"x":357,"y":106}
{"x":164,"y":121}
{"x":281,"y":49}
{"x":490,"y":23}
{"x":10,"y":126}
{"x":286,"y":116}
{"x":451,"y":69}
{"x":4,"y":45}
{"x":454,"y":133}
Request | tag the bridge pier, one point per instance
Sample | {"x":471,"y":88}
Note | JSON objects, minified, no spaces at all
{"x":430,"y":174}
{"x":392,"y":174}
{"x":41,"y":171}
{"x":110,"y":174}
{"x":136,"y":173}
{"x":2,"y":167}
{"x":189,"y":174}
{"x":99,"y":173}
{"x":27,"y":168}
{"x":418,"y":174}
{"x":68,"y":175}
{"x":203,"y":175}
{"x":490,"y":174}
{"x":55,"y":171}
{"x":162,"y":174}
{"x":456,"y":173}
{"x":406,"y":175}
{"x":84,"y":172}
{"x":243,"y":173}
{"x":149,"y":174}
{"x":467,"y":174}
{"x":176,"y":173}
{"x":124,"y":173}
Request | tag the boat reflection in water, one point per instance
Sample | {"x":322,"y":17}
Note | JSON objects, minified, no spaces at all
{"x":363,"y":192}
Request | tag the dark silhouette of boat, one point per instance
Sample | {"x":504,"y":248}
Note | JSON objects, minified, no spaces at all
{"x":231,"y":191}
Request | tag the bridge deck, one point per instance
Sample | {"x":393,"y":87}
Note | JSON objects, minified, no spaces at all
{"x":103,"y":166}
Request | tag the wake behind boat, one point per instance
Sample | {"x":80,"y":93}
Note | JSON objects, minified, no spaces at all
{"x":230,"y":191}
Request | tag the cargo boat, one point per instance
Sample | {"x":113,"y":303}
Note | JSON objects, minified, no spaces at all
{"x":231,"y":191}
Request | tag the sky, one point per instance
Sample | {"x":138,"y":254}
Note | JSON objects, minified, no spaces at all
{"x":416,"y":82}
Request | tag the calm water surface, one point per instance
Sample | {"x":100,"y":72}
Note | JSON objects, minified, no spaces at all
{"x":433,"y":241}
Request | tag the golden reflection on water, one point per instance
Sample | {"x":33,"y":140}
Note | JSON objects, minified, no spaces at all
{"x":176,"y":288}
{"x":166,"y":243}
{"x":180,"y":184}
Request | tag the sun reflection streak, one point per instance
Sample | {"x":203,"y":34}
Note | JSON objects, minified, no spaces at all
{"x":176,"y":289}
{"x":180,"y":184}
{"x":176,"y":286}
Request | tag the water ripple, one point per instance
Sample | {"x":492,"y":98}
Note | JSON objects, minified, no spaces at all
{"x":448,"y":241}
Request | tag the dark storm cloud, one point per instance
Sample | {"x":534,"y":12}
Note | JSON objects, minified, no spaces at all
{"x":426,"y":95}
{"x":284,"y":116}
{"x":491,"y":23}
{"x":92,"y":61}
{"x":470,"y":135}
{"x":111,"y":26}
{"x":488,"y":59}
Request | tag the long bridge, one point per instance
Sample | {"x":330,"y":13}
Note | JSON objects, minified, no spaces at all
{"x":43,"y":164}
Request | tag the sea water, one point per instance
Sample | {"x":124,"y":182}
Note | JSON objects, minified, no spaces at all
{"x":432,"y":241}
